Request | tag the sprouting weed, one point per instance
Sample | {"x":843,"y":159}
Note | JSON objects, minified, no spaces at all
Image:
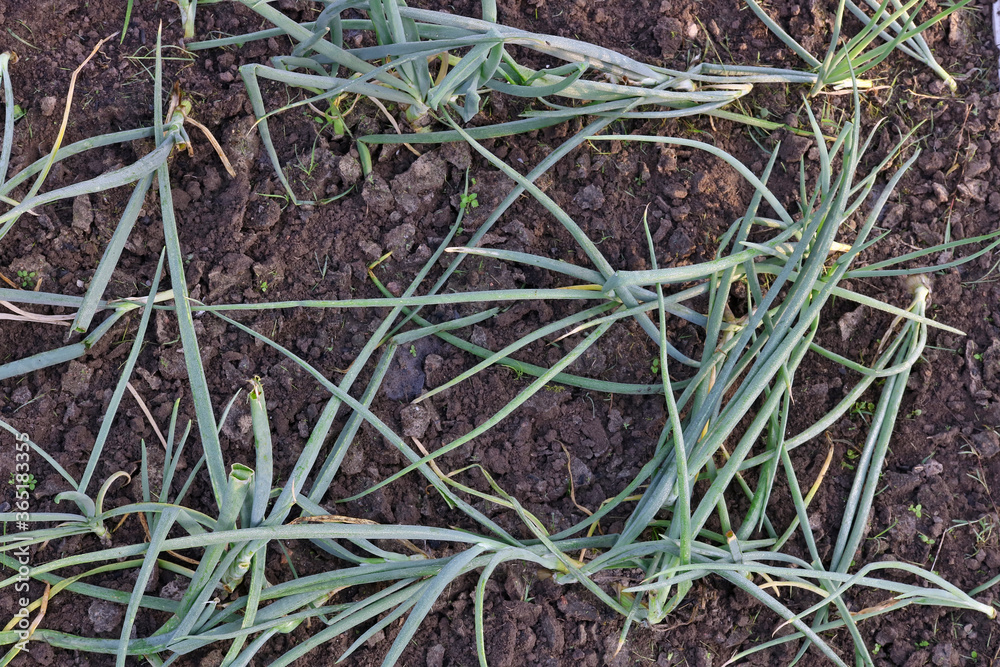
{"x":23,"y":480}
{"x":26,"y":278}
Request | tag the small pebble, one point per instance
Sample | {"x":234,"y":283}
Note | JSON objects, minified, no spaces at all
{"x":590,"y":198}
{"x":977,"y":167}
{"x":416,"y":418}
{"x":48,"y":106}
{"x":940,"y":193}
{"x":675,"y":191}
{"x":435,"y":655}
{"x":350,"y":169}
{"x":106,"y":616}
{"x":21,"y":395}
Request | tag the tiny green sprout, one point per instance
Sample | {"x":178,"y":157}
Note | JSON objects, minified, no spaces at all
{"x":28,"y":481}
{"x":917,"y":510}
{"x":978,"y":356}
{"x":263,"y":286}
{"x":929,"y":541}
{"x":25,"y":278}
{"x":923,"y":643}
{"x":974,"y":655}
{"x":470,"y":200}
{"x":863,"y":409}
{"x":334,"y":115}
{"x":876,"y":649}
{"x":655,"y":366}
{"x":851,"y":456}
{"x":18,"y":112}
{"x":413,"y":351}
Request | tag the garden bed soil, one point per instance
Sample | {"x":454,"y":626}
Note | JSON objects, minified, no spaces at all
{"x":244,"y":243}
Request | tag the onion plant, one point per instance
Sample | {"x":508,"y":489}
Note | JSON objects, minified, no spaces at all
{"x":431,"y":62}
{"x":890,"y":21}
{"x":188,"y":9}
{"x":173,"y":136}
{"x":7,"y":58}
{"x":727,"y":407}
{"x":750,"y":359}
{"x":668,"y":536}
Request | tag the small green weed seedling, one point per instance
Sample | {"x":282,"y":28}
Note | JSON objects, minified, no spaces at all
{"x":26,"y":278}
{"x":470,"y":200}
{"x":863,"y":409}
{"x":852,"y":457}
{"x":20,"y":479}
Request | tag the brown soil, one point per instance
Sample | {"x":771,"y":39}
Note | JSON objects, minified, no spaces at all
{"x":244,"y":245}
